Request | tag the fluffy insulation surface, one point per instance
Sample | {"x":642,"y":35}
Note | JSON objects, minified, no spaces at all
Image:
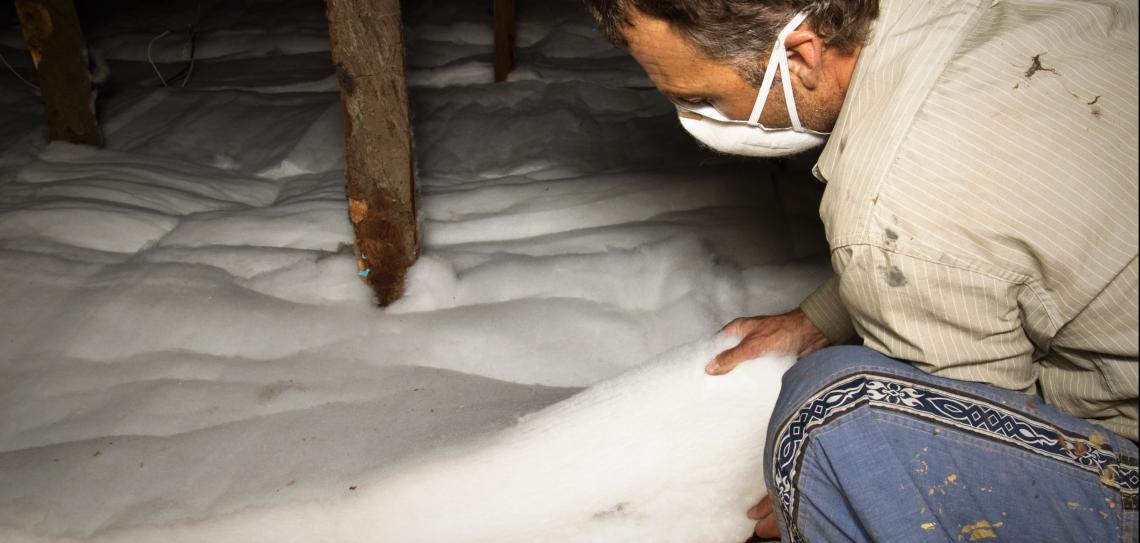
{"x":612,"y":463}
{"x":187,"y":354}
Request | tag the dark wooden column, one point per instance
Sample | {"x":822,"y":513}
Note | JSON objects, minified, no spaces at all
{"x":504,"y":38}
{"x":59,"y":52}
{"x":368,"y":52}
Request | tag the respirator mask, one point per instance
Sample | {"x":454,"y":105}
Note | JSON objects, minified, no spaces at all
{"x":750,"y":138}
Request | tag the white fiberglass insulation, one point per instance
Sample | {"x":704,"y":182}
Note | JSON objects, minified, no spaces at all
{"x":186,"y":353}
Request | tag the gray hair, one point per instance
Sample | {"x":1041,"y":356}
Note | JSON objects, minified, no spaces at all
{"x":741,"y":32}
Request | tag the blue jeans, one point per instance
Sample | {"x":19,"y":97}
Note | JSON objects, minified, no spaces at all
{"x":862,"y":447}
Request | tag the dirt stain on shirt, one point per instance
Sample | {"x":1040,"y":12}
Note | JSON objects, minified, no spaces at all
{"x":893,"y":276}
{"x":1036,"y":66}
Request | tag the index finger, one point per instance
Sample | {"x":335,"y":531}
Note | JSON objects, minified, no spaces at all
{"x":729,"y":359}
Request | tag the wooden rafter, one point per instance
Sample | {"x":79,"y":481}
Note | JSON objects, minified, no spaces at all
{"x":368,"y":53}
{"x":504,"y":38}
{"x":59,"y":52}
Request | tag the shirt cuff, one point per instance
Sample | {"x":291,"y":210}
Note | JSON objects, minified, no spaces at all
{"x":825,"y":310}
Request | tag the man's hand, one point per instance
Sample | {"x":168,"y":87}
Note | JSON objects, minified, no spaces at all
{"x":766,"y":525}
{"x":789,"y":333}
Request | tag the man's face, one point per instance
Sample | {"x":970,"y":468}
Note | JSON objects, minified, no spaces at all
{"x":820,"y":76}
{"x":685,"y":75}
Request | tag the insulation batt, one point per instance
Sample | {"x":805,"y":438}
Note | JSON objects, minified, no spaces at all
{"x":660,"y":453}
{"x":661,"y":446}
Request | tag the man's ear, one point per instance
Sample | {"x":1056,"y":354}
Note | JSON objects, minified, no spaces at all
{"x":805,"y":57}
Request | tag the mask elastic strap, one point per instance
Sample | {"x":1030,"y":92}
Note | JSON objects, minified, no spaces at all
{"x":779,"y":59}
{"x":765,"y":88}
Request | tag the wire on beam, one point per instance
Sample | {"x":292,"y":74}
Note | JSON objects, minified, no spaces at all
{"x":34,"y":87}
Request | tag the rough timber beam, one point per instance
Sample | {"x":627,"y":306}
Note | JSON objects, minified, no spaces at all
{"x":368,"y":52}
{"x":59,"y":52}
{"x":504,"y":38}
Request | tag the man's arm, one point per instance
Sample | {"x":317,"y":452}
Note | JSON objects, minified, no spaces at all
{"x":824,"y":308}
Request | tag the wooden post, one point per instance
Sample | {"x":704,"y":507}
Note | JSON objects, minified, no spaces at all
{"x":59,"y":52}
{"x":504,"y":39}
{"x":368,"y":53}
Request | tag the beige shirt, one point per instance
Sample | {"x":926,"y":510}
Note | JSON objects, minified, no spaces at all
{"x":981,"y":199}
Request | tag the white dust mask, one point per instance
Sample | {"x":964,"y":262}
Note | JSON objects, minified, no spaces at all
{"x":750,"y":138}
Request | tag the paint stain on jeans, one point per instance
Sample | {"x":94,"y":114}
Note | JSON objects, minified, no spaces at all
{"x":983,"y":529}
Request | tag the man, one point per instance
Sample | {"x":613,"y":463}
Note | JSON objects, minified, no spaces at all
{"x":981,"y":208}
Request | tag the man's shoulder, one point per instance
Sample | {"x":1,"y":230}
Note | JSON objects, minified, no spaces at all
{"x":1027,"y":130}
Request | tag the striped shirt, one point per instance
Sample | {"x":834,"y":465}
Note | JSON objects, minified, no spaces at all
{"x":981,"y":199}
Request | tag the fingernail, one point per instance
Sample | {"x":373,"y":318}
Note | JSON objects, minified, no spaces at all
{"x":712,"y":368}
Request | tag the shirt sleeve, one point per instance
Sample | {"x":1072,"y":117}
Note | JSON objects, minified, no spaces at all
{"x":948,"y":319}
{"x":825,"y":310}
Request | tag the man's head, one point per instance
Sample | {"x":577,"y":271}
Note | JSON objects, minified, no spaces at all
{"x":713,"y":52}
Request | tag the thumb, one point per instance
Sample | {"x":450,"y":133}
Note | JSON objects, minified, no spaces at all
{"x":728,"y":360}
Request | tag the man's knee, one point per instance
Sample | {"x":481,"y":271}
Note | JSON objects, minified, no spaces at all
{"x":817,"y":372}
